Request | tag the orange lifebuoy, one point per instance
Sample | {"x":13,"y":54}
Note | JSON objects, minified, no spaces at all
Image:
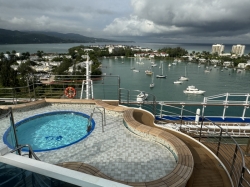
{"x":70,"y":92}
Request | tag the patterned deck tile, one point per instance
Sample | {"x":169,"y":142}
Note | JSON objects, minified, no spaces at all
{"x":116,"y":152}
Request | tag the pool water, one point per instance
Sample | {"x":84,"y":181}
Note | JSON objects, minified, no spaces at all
{"x":51,"y":131}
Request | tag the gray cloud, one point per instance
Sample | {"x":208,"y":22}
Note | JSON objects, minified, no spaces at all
{"x":172,"y":20}
{"x":182,"y":19}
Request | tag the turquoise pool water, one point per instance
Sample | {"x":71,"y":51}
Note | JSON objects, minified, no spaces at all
{"x":50,"y":131}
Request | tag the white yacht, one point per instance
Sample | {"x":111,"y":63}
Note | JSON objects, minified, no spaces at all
{"x":135,"y":70}
{"x":178,"y":82}
{"x":193,"y":90}
{"x":153,"y":65}
{"x":141,"y":97}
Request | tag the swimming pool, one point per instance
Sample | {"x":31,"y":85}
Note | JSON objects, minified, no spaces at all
{"x":50,"y":131}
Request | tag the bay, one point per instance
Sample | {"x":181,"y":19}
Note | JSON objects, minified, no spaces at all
{"x":214,"y":83}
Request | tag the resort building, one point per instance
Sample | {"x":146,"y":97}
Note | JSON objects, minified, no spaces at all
{"x":238,"y":49}
{"x":218,"y":48}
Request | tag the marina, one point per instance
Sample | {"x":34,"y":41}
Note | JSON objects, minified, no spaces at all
{"x":215,"y":82}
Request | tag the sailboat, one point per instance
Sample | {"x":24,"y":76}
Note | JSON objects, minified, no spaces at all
{"x":161,"y":76}
{"x":184,"y":78}
{"x":152,"y":82}
{"x":149,"y":71}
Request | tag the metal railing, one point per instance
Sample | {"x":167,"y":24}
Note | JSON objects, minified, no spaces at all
{"x":214,"y":136}
{"x":104,"y":87}
{"x":217,"y":138}
{"x":130,"y":98}
{"x":102,"y":112}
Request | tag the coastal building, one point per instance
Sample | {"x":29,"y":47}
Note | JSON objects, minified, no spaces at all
{"x":21,"y":61}
{"x":238,"y":49}
{"x":87,"y":50}
{"x":202,"y":60}
{"x":218,"y":48}
{"x":227,"y":63}
{"x":225,"y":54}
{"x":215,"y":61}
{"x":244,"y":65}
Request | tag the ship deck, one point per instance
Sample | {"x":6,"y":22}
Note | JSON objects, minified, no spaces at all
{"x":207,"y":170}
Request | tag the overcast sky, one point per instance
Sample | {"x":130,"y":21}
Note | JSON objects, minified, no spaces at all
{"x":209,"y":21}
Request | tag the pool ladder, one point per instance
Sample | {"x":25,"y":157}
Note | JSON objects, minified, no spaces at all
{"x":100,"y":112}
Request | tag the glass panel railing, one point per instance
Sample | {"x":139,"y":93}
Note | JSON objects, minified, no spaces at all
{"x":14,"y":176}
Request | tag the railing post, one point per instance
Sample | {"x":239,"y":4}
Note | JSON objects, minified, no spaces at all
{"x":14,"y":130}
{"x":218,"y":148}
{"x":225,"y":106}
{"x":28,"y":85}
{"x":202,"y":115}
{"x":13,"y":95}
{"x":161,"y":103}
{"x":182,"y":106}
{"x":34,"y":88}
{"x":119,"y":97}
{"x":154,"y":106}
{"x":201,"y":128}
{"x":235,"y":153}
{"x":119,"y":84}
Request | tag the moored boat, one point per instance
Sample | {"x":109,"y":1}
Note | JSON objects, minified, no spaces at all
{"x":193,"y":90}
{"x":178,"y":82}
{"x":141,"y":97}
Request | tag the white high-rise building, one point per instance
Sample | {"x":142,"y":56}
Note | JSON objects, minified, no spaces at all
{"x":218,"y":48}
{"x":238,"y":49}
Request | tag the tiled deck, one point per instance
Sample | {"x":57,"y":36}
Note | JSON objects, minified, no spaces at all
{"x":117,"y":152}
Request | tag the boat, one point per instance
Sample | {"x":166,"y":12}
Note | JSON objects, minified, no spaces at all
{"x":161,"y":75}
{"x":153,"y":65}
{"x":169,"y":65}
{"x":141,"y":97}
{"x":135,"y":70}
{"x":207,"y":71}
{"x":215,"y":66}
{"x":174,"y":63}
{"x":193,"y":90}
{"x":148,"y":72}
{"x":152,"y":81}
{"x":178,"y":82}
{"x":183,"y":78}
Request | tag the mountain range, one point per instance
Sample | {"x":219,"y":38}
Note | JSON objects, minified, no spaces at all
{"x":36,"y":37}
